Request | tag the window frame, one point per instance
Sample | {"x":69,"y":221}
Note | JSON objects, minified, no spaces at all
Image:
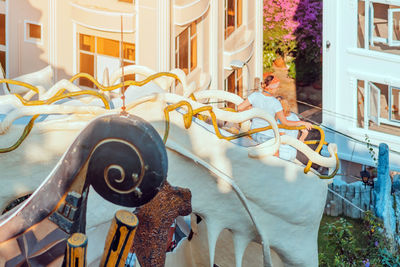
{"x":191,"y":37}
{"x":369,"y":38}
{"x":368,"y":87}
{"x":95,"y":54}
{"x":236,"y":19}
{"x":391,"y":104}
{"x":29,"y":39}
{"x":391,"y":41}
{"x":237,"y":77}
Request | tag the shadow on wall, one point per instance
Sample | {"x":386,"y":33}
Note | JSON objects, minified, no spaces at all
{"x":29,"y":33}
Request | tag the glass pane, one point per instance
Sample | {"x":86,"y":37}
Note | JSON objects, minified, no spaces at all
{"x":231,"y":13}
{"x":360,"y":104}
{"x":374,"y":111}
{"x":3,"y":60}
{"x":107,"y":47}
{"x":2,"y":29}
{"x":361,"y":24}
{"x":381,"y":30}
{"x":384,"y":100}
{"x":35,"y":31}
{"x":239,"y":83}
{"x":86,"y":64}
{"x":239,"y":13}
{"x":193,"y":29}
{"x":396,"y":104}
{"x":129,"y":51}
{"x":396,"y":26}
{"x":379,"y":22}
{"x":230,"y":87}
{"x":183,"y":62}
{"x":379,"y":104}
{"x":230,"y":17}
{"x":86,"y":42}
{"x":193,"y":53}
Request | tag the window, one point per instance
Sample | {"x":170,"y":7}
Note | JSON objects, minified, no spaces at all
{"x":233,"y":16}
{"x":379,"y":26}
{"x":394,"y":96}
{"x":3,"y":43}
{"x":186,"y":49}
{"x":3,"y":62}
{"x":33,"y":32}
{"x":378,"y":107}
{"x":97,"y":53}
{"x":234,"y":84}
{"x":107,"y":47}
{"x":2,"y":29}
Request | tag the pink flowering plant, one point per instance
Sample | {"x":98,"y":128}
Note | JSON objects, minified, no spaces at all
{"x":279,"y":28}
{"x":294,"y":28}
{"x":309,"y":40}
{"x":309,"y":29}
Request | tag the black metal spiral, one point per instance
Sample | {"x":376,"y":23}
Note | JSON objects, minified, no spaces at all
{"x":130,"y":165}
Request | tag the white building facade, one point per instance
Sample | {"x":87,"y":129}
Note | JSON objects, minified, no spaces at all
{"x":203,"y":37}
{"x":361,"y":78}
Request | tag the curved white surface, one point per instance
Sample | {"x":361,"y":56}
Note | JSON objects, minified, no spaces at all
{"x":187,"y":11}
{"x":238,"y":46}
{"x":244,"y":189}
{"x":103,"y":20}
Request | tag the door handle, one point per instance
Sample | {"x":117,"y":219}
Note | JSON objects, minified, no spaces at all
{"x":328,"y":44}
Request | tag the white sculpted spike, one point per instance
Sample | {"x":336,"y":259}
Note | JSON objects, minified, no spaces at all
{"x":240,"y":242}
{"x":214,"y":228}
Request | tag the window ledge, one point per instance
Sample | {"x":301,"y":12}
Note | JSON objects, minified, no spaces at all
{"x":102,"y":19}
{"x":239,"y":46}
{"x":188,"y":11}
{"x":374,"y":54}
{"x":376,"y":137}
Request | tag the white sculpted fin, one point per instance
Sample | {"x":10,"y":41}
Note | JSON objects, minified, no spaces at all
{"x":214,"y":228}
{"x":241,"y":242}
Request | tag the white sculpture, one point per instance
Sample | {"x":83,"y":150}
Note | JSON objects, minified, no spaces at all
{"x":244,"y":189}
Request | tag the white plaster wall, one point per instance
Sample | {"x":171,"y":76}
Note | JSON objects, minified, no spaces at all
{"x":24,"y":56}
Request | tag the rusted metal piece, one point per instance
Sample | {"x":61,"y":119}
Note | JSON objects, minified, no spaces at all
{"x":155,"y":220}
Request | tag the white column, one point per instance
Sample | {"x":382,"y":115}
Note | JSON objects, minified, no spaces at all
{"x":52,"y":30}
{"x":164,"y":34}
{"x":214,"y":30}
{"x":258,"y":40}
